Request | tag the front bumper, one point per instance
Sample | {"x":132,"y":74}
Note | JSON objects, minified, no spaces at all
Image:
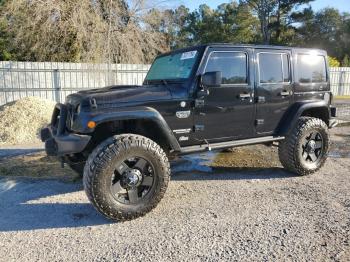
{"x":58,"y":141}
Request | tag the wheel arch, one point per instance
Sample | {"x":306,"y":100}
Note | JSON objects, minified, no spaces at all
{"x":317,"y":109}
{"x":144,"y":121}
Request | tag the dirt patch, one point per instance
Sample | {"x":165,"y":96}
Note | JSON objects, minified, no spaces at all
{"x":245,"y":158}
{"x":260,"y":156}
{"x":256,"y":156}
{"x":36,"y":165}
{"x":22,"y":120}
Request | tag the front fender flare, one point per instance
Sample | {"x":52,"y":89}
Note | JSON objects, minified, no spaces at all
{"x":134,"y":113}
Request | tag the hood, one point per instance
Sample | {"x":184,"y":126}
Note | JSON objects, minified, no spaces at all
{"x":120,"y":94}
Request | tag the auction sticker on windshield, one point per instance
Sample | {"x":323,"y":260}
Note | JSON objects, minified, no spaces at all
{"x":188,"y":55}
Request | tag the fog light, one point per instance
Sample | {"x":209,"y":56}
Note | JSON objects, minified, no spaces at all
{"x":91,"y":124}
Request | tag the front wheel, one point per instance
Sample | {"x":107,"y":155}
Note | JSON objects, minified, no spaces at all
{"x":126,"y":176}
{"x":305,"y":149}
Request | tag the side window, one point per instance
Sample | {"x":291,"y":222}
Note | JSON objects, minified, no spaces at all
{"x":270,"y":68}
{"x":311,"y":68}
{"x":233,"y":66}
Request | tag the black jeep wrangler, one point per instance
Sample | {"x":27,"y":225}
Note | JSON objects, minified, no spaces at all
{"x":196,"y":99}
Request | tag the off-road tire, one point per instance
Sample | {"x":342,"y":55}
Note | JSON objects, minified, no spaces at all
{"x":99,"y":169}
{"x":290,"y":148}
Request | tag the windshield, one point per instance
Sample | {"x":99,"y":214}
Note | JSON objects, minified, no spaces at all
{"x":173,"y":66}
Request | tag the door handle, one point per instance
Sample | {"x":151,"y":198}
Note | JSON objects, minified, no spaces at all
{"x":285,"y":93}
{"x":244,"y":96}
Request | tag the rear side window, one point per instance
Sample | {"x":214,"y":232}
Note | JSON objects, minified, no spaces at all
{"x":311,"y":68}
{"x":233,"y":66}
{"x":274,"y":68}
{"x":270,"y":68}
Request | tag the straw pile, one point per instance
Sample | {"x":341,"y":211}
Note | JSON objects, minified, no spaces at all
{"x":21,"y":121}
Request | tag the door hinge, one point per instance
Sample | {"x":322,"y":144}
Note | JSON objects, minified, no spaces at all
{"x":198,"y":128}
{"x":260,"y":99}
{"x":199,"y":103}
{"x":259,"y":121}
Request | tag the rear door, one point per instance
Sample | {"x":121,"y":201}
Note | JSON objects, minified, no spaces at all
{"x":273,"y":88}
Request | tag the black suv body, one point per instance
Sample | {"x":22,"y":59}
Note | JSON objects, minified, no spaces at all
{"x":195,"y":99}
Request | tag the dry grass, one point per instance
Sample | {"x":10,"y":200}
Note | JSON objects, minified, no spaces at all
{"x":36,"y":165}
{"x":22,"y":120}
{"x":342,"y":97}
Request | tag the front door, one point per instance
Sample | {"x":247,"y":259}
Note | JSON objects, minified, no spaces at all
{"x":274,"y":89}
{"x":227,"y":112}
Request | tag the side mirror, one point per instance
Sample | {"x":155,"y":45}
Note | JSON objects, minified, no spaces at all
{"x":212,"y":79}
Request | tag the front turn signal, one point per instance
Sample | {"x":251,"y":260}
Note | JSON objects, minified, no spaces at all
{"x":91,"y":124}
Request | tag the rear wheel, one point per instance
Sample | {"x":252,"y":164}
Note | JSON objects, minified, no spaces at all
{"x":126,"y":176}
{"x":305,"y":149}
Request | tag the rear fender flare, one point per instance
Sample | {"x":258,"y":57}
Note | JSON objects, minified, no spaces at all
{"x":292,"y":115}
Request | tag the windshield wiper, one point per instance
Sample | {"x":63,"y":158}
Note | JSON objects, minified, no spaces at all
{"x":165,"y":82}
{"x":157,"y":81}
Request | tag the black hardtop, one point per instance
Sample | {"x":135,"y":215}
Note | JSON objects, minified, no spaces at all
{"x":223,"y":45}
{"x":261,"y":46}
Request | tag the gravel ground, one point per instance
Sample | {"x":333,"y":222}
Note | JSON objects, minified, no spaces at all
{"x":208,"y":213}
{"x":343,"y":109}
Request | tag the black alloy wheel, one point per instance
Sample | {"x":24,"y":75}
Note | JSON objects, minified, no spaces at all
{"x":312,"y":147}
{"x":132,"y":180}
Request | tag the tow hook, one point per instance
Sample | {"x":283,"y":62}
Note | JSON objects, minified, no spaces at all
{"x":62,"y":161}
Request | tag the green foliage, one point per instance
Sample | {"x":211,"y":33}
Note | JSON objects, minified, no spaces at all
{"x":276,"y":18}
{"x":322,"y":30}
{"x":346,"y":61}
{"x":327,"y":29}
{"x":229,"y":23}
{"x":333,"y":62}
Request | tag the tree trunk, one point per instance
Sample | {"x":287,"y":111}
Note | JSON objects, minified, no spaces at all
{"x":278,"y":23}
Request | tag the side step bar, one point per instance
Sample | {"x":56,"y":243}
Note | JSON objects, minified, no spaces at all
{"x":221,"y":145}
